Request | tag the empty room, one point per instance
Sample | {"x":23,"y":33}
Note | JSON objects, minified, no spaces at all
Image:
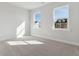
{"x":39,"y":28}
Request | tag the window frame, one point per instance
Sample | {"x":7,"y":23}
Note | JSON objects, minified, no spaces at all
{"x":34,"y":15}
{"x":53,"y":27}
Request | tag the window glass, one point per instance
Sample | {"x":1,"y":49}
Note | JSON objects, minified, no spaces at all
{"x":37,"y":17}
{"x":61,"y":16}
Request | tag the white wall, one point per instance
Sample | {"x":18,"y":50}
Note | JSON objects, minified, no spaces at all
{"x":69,"y":36}
{"x":21,"y":16}
{"x":10,"y":17}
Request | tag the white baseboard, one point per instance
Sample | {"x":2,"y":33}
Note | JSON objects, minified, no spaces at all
{"x":56,"y":39}
{"x":7,"y":37}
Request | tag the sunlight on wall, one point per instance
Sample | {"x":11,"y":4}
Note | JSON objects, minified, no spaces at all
{"x":21,"y":30}
{"x":30,"y":42}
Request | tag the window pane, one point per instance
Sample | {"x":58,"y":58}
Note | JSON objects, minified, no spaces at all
{"x":37,"y":17}
{"x":61,"y":15}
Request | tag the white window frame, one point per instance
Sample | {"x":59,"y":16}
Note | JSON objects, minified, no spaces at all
{"x":53,"y":27}
{"x":38,"y":26}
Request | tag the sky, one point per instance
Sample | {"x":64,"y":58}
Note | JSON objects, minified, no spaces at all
{"x":62,"y":12}
{"x":37,"y":17}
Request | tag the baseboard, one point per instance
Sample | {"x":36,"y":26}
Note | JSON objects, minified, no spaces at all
{"x":7,"y":37}
{"x":56,"y":39}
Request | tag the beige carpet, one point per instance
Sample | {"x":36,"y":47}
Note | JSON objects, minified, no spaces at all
{"x":31,"y":46}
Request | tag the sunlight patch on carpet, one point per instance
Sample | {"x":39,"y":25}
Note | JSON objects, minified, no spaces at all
{"x":17,"y":43}
{"x":34,"y":42}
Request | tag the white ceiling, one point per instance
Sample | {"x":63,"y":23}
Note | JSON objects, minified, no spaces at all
{"x":29,"y":5}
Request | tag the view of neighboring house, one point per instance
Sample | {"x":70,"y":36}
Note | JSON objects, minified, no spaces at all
{"x":61,"y":23}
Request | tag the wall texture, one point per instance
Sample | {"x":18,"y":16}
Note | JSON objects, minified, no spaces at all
{"x":69,"y":36}
{"x":10,"y":17}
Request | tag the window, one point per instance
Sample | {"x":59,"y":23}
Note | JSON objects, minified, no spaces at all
{"x":61,"y":17}
{"x":37,"y":17}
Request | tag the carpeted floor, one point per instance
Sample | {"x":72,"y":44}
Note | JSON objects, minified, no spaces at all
{"x":33,"y":46}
